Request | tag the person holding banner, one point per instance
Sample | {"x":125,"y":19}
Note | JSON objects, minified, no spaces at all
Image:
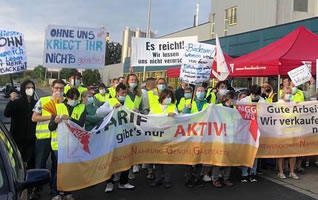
{"x":165,"y":105}
{"x":287,"y":98}
{"x":222,"y":89}
{"x":134,"y":96}
{"x":153,"y":95}
{"x":72,"y":110}
{"x":75,"y":82}
{"x":298,"y":95}
{"x":199,"y":103}
{"x":103,"y":94}
{"x":268,"y":93}
{"x":112,"y":89}
{"x":185,"y":100}
{"x":91,"y":118}
{"x":179,"y":93}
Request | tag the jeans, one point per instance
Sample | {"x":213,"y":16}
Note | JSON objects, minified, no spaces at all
{"x":193,"y":171}
{"x":252,"y":170}
{"x":163,"y":171}
{"x":217,"y":170}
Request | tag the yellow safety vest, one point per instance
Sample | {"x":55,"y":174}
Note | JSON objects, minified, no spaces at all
{"x":152,"y":98}
{"x":183,"y":103}
{"x":113,"y":101}
{"x":132,"y":104}
{"x":42,"y":127}
{"x":62,"y":110}
{"x":270,"y":98}
{"x":298,"y":96}
{"x":112,"y":92}
{"x":194,"y":108}
{"x":9,"y":148}
{"x":79,"y":88}
{"x":157,"y":109}
{"x":102,"y":98}
{"x":213,"y":96}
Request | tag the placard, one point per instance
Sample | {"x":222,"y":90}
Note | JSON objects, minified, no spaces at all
{"x":300,"y":75}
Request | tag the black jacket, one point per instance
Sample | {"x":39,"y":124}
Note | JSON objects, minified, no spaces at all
{"x":22,"y":128}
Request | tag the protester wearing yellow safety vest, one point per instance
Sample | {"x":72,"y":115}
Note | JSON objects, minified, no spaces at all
{"x":43,"y":134}
{"x":133,"y":99}
{"x":255,"y":92}
{"x":75,"y":82}
{"x":153,"y":95}
{"x":184,"y":101}
{"x":92,"y":119}
{"x":199,"y":103}
{"x":298,"y":95}
{"x":268,"y":94}
{"x":116,"y":102}
{"x":285,"y":84}
{"x":286,"y":98}
{"x":228,"y":101}
{"x":165,"y":105}
{"x":103,"y":94}
{"x":69,"y":109}
{"x":112,"y":89}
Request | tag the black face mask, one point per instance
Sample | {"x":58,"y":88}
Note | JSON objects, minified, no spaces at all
{"x":268,"y":90}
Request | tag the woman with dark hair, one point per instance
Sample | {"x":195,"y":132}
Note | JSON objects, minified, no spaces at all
{"x":134,"y":95}
{"x":69,"y":109}
{"x":22,"y":128}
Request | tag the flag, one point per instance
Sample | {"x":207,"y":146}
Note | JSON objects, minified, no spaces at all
{"x":219,"y":67}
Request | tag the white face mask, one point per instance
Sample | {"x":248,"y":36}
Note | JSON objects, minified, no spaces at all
{"x":29,"y":92}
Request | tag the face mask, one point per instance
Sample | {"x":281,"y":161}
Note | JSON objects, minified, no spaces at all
{"x":167,"y":101}
{"x":294,"y":90}
{"x":102,"y":91}
{"x":29,"y":92}
{"x":90,"y":100}
{"x":255,"y":98}
{"x":223,"y":92}
{"x":287,"y":97}
{"x":161,"y":87}
{"x":72,"y":102}
{"x":200,"y":95}
{"x":268,"y":90}
{"x":121,"y":98}
{"x":187,"y":95}
{"x":77,"y":82}
{"x":132,"y":85}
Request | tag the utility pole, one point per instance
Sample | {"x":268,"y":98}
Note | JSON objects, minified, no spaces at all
{"x":147,"y":33}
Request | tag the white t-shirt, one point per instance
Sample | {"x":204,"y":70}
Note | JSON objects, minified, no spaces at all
{"x":248,"y":99}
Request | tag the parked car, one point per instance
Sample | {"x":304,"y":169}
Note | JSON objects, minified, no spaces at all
{"x":14,"y":179}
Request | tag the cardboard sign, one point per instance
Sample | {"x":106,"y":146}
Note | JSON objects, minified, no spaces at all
{"x":300,"y":75}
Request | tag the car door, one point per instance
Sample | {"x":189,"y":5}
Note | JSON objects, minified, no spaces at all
{"x":13,"y":170}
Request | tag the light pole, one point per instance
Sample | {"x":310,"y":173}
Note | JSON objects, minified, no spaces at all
{"x":147,"y":33}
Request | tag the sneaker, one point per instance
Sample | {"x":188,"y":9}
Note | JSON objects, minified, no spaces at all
{"x":131,"y":175}
{"x":244,"y":179}
{"x":127,"y":186}
{"x":253,"y":178}
{"x":150,"y":176}
{"x":228,"y":183}
{"x":57,"y":197}
{"x":300,"y":170}
{"x":258,"y":171}
{"x":116,"y":177}
{"x":316,"y":163}
{"x":207,"y":178}
{"x":307,"y":164}
{"x":136,"y":168}
{"x":109,"y":187}
{"x":293,"y":176}
{"x":68,"y":197}
{"x":167,"y":185}
{"x":217,"y":184}
{"x":281,"y":175}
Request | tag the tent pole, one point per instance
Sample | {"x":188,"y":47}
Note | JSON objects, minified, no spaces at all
{"x":278,"y":86}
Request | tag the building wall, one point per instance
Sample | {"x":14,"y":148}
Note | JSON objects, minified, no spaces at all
{"x":257,"y":14}
{"x":111,"y":71}
{"x":202,"y":31}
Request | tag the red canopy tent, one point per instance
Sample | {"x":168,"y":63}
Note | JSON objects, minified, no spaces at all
{"x":279,"y":57}
{"x":175,"y":72}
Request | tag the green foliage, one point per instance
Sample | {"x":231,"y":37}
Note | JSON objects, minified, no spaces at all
{"x":91,"y":77}
{"x":38,"y":73}
{"x":113,"y":53}
{"x":65,"y":72}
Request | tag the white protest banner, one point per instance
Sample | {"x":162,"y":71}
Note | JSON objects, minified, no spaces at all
{"x":300,"y":75}
{"x":12,"y":52}
{"x":218,"y":135}
{"x":197,"y":62}
{"x":288,"y":129}
{"x":74,"y":47}
{"x":158,"y":52}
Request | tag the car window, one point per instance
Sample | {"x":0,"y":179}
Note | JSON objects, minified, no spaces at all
{"x":13,"y":154}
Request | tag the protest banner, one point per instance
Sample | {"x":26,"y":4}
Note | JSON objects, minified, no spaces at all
{"x":158,"y":52}
{"x":197,"y":62}
{"x":288,"y":129}
{"x":300,"y":75}
{"x":74,"y":47}
{"x":12,"y":52}
{"x":218,"y":135}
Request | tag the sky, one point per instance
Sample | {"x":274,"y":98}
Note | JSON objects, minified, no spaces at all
{"x":32,"y":16}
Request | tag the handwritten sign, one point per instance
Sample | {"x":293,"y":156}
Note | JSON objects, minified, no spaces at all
{"x":300,"y":75}
{"x":12,"y":52}
{"x":158,"y":52}
{"x":74,"y":47}
{"x":197,"y":62}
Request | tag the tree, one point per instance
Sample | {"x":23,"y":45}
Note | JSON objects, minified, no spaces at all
{"x":91,"y":77}
{"x":39,"y":73}
{"x":113,"y":53}
{"x":65,"y":72}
